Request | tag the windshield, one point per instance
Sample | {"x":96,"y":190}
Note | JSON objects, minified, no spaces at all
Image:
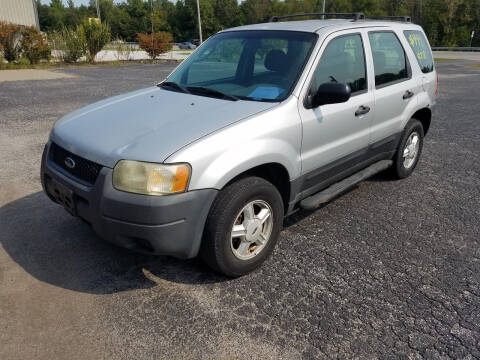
{"x":250,"y":65}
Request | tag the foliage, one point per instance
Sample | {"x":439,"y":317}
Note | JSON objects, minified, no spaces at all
{"x":74,"y":43}
{"x":11,"y":50}
{"x":97,"y":36}
{"x":23,"y":61}
{"x":8,"y":33}
{"x":34,"y":45}
{"x":446,"y":22}
{"x":155,"y":43}
{"x":56,"y":42}
{"x":7,"y":30}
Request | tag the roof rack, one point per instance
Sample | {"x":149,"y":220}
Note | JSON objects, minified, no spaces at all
{"x":354,"y":16}
{"x":401,"y":18}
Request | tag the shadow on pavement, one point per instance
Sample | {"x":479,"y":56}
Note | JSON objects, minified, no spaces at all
{"x":61,"y":250}
{"x":383,"y":176}
{"x":301,"y":214}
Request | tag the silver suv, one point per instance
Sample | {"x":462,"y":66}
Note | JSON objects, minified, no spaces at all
{"x":259,"y":121}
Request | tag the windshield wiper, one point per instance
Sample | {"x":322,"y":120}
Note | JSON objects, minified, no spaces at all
{"x":173,"y":85}
{"x":211,"y":92}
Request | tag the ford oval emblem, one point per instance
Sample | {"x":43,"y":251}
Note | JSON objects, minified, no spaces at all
{"x":69,"y":162}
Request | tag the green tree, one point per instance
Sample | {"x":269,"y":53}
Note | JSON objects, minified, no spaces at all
{"x":75,"y":43}
{"x":183,"y":23}
{"x":120,"y":22}
{"x":446,"y":22}
{"x":210,"y":24}
{"x":256,"y":11}
{"x":227,"y":13}
{"x":73,"y":15}
{"x":97,"y":36}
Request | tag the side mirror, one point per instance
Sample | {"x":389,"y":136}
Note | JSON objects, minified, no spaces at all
{"x":328,"y":93}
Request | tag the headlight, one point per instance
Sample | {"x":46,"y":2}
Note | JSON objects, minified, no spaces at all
{"x":150,"y":178}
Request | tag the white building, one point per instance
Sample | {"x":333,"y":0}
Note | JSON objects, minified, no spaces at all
{"x":22,"y":12}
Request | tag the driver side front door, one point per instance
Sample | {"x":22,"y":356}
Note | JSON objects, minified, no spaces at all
{"x":336,"y":136}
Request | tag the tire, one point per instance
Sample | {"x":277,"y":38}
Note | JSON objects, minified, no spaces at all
{"x":404,"y":166}
{"x":235,"y":256}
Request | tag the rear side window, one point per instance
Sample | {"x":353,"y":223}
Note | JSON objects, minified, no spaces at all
{"x":389,"y":58}
{"x":343,"y":61}
{"x":420,"y":47}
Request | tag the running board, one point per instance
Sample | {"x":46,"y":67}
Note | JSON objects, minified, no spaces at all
{"x":329,"y":193}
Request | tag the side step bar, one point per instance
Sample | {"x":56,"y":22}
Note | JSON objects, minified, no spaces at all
{"x":329,"y":193}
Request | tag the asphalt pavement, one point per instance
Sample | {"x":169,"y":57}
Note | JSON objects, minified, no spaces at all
{"x":389,"y":270}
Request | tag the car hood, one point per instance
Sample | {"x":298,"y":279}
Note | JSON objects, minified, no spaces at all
{"x":147,"y":125}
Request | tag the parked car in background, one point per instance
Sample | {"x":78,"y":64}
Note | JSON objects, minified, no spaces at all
{"x":187,"y":46}
{"x":261,"y":121}
{"x":195,"y":42}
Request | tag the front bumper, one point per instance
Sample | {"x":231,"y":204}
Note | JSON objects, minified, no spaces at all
{"x":164,"y":225}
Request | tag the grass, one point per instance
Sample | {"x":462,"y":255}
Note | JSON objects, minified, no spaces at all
{"x":474,"y":66}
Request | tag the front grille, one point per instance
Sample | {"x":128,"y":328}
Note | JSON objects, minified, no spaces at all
{"x":83,"y":169}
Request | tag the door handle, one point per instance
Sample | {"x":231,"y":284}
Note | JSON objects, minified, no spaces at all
{"x":362,"y":110}
{"x":408,"y":94}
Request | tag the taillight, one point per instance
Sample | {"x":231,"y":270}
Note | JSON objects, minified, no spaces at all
{"x":436,"y":86}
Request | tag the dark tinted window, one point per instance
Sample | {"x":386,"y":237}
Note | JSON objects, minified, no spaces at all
{"x":343,"y":61}
{"x":389,"y":58}
{"x":420,"y":47}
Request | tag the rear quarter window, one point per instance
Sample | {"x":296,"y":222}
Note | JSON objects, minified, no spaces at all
{"x":421,"y":49}
{"x":389,"y":59}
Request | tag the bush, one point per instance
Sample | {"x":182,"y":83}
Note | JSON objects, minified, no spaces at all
{"x":33,"y":44}
{"x":74,"y":42}
{"x":8,"y":33}
{"x":97,"y":36}
{"x":11,"y":50}
{"x":156,"y":44}
{"x":55,"y":40}
{"x":23,"y":61}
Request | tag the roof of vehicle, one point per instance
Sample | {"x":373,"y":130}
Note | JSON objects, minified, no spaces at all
{"x":318,"y":25}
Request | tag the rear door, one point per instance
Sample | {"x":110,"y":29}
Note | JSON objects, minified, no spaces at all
{"x":395,"y":88}
{"x":334,"y":134}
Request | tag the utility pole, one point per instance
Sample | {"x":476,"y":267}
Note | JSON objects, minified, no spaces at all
{"x":471,"y":38}
{"x":199,"y":21}
{"x":98,"y":11}
{"x":323,"y":9}
{"x":421,"y":12}
{"x":151,"y":17}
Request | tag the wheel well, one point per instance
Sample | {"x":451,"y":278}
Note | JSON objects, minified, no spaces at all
{"x":275,"y":173}
{"x":425,"y":117}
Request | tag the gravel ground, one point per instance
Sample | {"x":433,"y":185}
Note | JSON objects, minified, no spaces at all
{"x":465,"y":55}
{"x":31,"y":74}
{"x":389,"y":270}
